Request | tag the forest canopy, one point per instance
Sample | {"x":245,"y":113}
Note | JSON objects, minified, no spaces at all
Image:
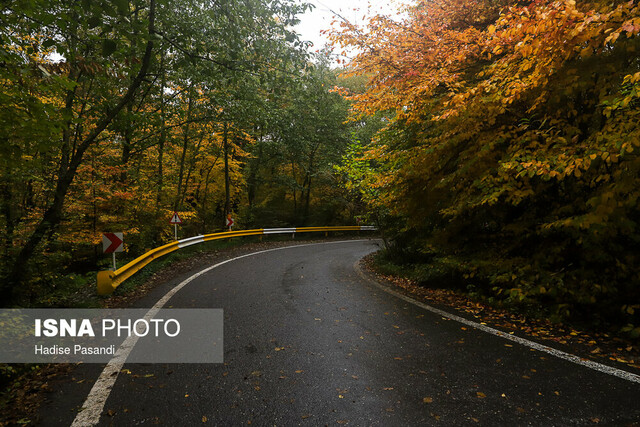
{"x":116,"y":113}
{"x":510,"y":166}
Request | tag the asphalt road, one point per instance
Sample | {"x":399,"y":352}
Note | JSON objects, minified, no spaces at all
{"x":309,"y":341}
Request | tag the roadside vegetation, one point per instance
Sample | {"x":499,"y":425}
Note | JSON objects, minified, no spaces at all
{"x":510,"y":164}
{"x":493,"y":142}
{"x":115,"y":114}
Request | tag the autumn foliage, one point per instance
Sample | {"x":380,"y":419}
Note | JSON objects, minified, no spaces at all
{"x":116,"y":114}
{"x":511,"y":163}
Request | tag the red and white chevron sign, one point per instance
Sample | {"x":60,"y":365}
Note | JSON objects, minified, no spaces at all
{"x":112,"y":242}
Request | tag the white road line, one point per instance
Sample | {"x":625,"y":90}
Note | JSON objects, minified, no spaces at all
{"x":93,"y":405}
{"x":629,"y":376}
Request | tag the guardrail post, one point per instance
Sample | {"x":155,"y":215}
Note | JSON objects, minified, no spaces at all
{"x":105,"y":282}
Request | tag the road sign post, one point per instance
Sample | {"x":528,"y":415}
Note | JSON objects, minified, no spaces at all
{"x":112,"y":243}
{"x":175,"y":220}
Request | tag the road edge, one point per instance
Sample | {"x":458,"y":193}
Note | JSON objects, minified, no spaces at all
{"x":606,"y":369}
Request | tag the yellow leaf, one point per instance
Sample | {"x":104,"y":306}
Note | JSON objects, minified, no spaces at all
{"x":427,"y":400}
{"x":481,"y":395}
{"x":491,"y":29}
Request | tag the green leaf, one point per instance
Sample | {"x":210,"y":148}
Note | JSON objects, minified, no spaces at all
{"x":108,"y":47}
{"x":48,"y":43}
{"x":94,"y":21}
{"x":122,"y":6}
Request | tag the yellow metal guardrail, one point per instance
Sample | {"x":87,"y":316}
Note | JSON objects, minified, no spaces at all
{"x":108,"y":281}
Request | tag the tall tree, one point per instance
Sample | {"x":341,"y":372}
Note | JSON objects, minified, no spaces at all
{"x":121,"y":66}
{"x":512,"y":146}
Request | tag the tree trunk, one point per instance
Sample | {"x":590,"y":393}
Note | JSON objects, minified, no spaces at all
{"x":192,"y":165}
{"x":163,"y":136}
{"x":227,"y":179}
{"x":252,"y":180}
{"x":295,"y":183}
{"x":7,"y":212}
{"x":185,"y":147}
{"x":53,"y":213}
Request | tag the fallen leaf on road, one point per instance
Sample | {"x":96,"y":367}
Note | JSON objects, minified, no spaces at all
{"x":279,"y":348}
{"x":204,"y":419}
{"x":427,"y":400}
{"x":481,"y":395}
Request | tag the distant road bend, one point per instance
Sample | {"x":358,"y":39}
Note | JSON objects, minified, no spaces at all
{"x":309,"y":340}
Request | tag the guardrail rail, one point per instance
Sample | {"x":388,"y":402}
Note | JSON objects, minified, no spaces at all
{"x":109,"y":280}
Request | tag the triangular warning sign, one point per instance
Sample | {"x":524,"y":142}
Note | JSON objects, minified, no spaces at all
{"x":175,"y":219}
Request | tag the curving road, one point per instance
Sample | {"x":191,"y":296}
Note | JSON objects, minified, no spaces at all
{"x":310,"y":341}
